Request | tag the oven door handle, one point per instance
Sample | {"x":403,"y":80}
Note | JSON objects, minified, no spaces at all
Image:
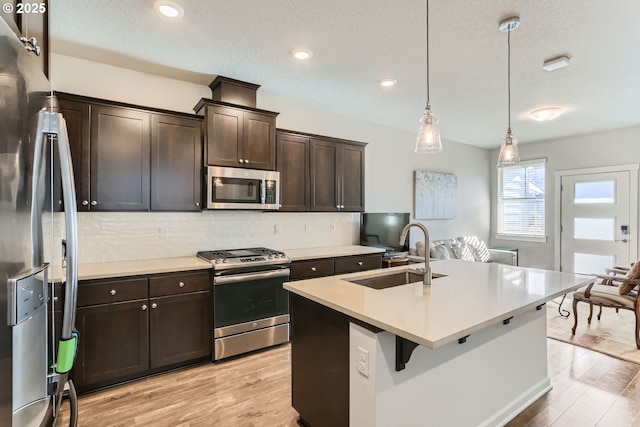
{"x":235,"y":278}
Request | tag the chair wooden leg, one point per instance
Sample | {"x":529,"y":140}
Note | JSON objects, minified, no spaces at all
{"x":600,"y":312}
{"x":590,"y":313}
{"x":575,"y":316}
{"x":637,"y":312}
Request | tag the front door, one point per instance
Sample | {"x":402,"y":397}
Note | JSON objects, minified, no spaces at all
{"x":596,"y":231}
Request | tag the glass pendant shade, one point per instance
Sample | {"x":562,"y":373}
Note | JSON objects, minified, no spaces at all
{"x":509,"y":154}
{"x":428,"y":140}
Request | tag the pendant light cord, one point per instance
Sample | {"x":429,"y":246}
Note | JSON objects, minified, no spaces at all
{"x":427,"y":53}
{"x":509,"y":76}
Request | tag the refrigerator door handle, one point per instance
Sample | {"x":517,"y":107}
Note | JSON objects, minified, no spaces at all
{"x":54,"y":124}
{"x":71,"y":228}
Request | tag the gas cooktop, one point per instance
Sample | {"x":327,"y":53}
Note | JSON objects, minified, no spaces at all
{"x":235,"y":258}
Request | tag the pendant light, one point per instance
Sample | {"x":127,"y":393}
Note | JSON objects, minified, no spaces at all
{"x":509,"y":154}
{"x":428,"y":140}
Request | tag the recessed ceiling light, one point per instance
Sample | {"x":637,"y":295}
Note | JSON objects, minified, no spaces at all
{"x":387,"y":82}
{"x":168,"y":9}
{"x":545,"y":114}
{"x":556,"y":63}
{"x":302,"y":54}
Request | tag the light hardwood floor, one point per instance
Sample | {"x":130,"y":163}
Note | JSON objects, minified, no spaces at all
{"x":589,"y":389}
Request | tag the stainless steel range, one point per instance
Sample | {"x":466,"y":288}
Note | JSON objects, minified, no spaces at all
{"x":250,"y":305}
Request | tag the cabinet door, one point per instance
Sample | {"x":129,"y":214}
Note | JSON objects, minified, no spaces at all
{"x":224,"y":136}
{"x":324,"y":176}
{"x":76,"y":114}
{"x":259,"y":142}
{"x":181,"y":328}
{"x":351,"y":175}
{"x":176,"y":163}
{"x":120,"y":157}
{"x":114,"y":342}
{"x":292,"y":156}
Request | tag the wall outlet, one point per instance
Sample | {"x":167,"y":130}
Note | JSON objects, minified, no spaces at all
{"x":363,"y":361}
{"x":332,"y":227}
{"x":276,"y":229}
{"x":307,"y":228}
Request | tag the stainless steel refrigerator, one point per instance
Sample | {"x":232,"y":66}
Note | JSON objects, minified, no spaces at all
{"x":34,"y":161}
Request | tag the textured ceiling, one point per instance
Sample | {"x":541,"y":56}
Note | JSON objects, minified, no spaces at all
{"x":357,"y":42}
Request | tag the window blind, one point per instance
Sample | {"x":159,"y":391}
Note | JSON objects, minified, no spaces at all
{"x":521,"y":195}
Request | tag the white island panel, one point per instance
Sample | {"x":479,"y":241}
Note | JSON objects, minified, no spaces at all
{"x":485,"y":381}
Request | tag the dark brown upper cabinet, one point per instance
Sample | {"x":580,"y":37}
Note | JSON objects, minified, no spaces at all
{"x":292,"y":161}
{"x":127,"y":158}
{"x":120,"y":164}
{"x":337,"y":176}
{"x":238,"y":136}
{"x":76,"y":114}
{"x":320,"y":173}
{"x":176,"y":163}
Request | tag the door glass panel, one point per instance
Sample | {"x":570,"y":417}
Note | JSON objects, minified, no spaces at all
{"x":594,"y":228}
{"x":590,"y":263}
{"x":594,"y":192}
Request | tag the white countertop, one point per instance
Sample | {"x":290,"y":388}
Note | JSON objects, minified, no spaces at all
{"x":471,"y":297}
{"x":101,"y":270}
{"x":329,"y":252}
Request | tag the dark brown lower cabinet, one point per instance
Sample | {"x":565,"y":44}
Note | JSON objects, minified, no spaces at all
{"x":137,"y":326}
{"x":319,"y":363}
{"x":113,"y":342}
{"x":180,"y":328}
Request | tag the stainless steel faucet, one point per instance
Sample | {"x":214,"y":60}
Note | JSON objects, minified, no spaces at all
{"x":427,"y":269}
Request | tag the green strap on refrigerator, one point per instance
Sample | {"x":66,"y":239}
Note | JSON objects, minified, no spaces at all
{"x":66,"y":354}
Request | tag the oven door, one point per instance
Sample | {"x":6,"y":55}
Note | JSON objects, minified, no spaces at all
{"x":251,"y":311}
{"x":241,"y":298}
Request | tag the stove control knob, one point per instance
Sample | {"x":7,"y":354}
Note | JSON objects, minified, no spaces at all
{"x":270,"y":257}
{"x":216,"y":261}
{"x":225,"y":260}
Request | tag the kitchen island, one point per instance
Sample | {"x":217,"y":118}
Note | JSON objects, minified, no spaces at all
{"x":468,"y":350}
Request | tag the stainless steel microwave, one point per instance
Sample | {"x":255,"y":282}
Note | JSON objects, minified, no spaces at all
{"x":236,"y":188}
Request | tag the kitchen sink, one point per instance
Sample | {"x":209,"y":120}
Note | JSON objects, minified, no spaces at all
{"x":391,"y":280}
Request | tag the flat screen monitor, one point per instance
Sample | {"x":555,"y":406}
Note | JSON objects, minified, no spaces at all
{"x":383,"y":230}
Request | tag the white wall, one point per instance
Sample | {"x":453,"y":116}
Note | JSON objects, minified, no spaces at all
{"x":619,"y":147}
{"x":390,"y":160}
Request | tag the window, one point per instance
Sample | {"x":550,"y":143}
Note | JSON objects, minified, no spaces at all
{"x":521,"y":200}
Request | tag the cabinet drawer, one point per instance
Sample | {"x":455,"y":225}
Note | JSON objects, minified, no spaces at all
{"x":109,"y":291}
{"x":311,"y":268}
{"x":180,"y":283}
{"x":358,"y":263}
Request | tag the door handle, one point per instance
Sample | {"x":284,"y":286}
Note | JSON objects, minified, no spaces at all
{"x":623,"y":240}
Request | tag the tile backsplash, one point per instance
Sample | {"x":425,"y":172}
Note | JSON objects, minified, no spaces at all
{"x":120,"y":236}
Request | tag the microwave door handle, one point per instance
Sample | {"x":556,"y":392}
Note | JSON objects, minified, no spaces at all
{"x":263,"y":191}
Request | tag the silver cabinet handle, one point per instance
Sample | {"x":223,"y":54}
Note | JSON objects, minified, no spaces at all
{"x":154,"y":305}
{"x":93,"y":203}
{"x":144,"y":307}
{"x":240,"y":160}
{"x":181,"y":284}
{"x":31,"y":45}
{"x":623,"y":240}
{"x":55,"y":299}
{"x":112,"y":291}
{"x":197,"y":203}
{"x":360,"y":263}
{"x":313,"y":269}
{"x":341,"y":206}
{"x":246,"y":161}
{"x":85,"y":203}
